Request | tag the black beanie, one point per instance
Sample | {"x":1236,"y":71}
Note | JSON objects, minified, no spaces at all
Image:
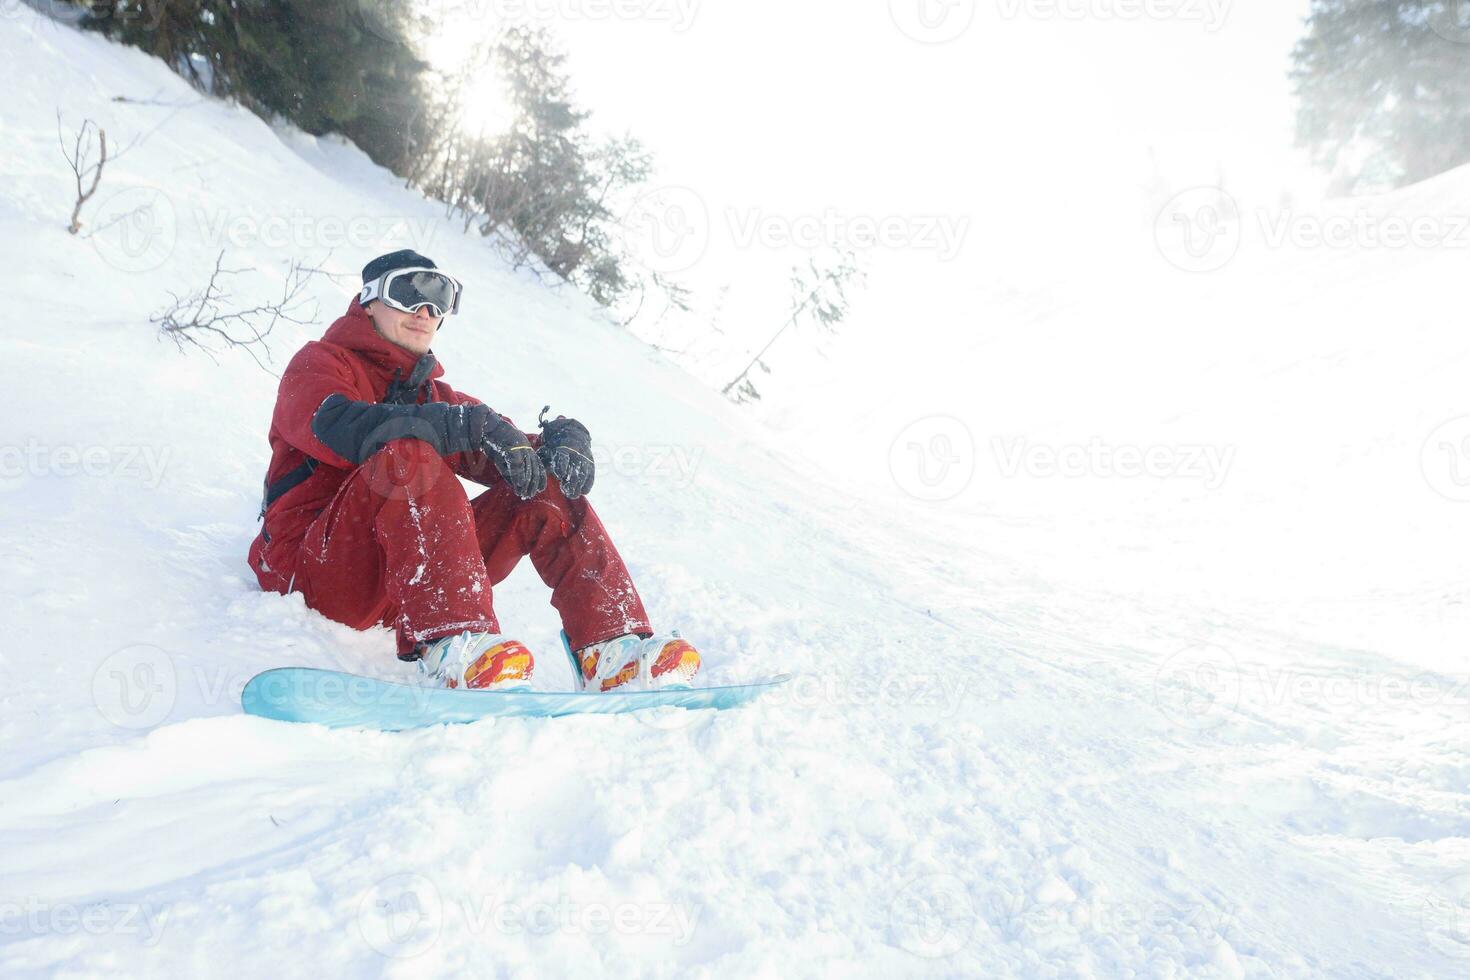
{"x":403,"y":259}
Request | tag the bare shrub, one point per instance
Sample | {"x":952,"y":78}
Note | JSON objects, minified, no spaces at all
{"x":204,"y":321}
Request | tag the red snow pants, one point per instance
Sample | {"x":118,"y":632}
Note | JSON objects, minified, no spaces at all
{"x":402,"y":545}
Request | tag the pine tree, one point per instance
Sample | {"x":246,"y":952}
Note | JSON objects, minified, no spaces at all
{"x":353,"y":67}
{"x":343,"y":66}
{"x":1388,"y":81}
{"x":543,"y":183}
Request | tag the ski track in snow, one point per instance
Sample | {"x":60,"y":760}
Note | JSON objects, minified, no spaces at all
{"x":983,"y":770}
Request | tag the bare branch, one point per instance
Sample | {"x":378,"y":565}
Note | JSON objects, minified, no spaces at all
{"x":203,"y":321}
{"x":820,"y":296}
{"x":82,"y":168}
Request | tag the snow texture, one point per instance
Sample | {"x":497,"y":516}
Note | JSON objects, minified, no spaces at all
{"x":1052,"y":727}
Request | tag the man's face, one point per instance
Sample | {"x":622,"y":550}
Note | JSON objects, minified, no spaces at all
{"x":413,"y":332}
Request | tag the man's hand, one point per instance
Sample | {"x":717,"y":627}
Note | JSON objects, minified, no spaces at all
{"x":510,"y":451}
{"x":566,"y":450}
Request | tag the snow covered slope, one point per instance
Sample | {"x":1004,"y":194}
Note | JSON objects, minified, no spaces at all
{"x":989,"y":768}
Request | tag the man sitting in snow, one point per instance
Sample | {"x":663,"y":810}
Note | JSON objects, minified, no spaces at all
{"x":365,"y":517}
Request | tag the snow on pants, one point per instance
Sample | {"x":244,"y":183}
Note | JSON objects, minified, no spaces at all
{"x":401,"y":544}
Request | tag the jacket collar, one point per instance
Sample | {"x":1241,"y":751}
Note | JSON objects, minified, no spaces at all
{"x":354,"y":331}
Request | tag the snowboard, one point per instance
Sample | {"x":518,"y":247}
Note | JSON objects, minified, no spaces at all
{"x":338,"y":699}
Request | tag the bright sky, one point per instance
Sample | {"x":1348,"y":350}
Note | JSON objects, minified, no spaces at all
{"x":1015,"y":153}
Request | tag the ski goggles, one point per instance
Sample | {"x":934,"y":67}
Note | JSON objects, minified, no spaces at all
{"x":411,"y":289}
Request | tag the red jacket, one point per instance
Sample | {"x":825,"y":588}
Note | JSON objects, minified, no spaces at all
{"x":353,"y":360}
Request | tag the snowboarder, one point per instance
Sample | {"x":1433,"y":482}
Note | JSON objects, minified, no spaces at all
{"x":365,"y":517}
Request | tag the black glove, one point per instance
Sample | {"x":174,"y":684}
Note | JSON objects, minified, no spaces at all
{"x":356,"y":430}
{"x":509,"y":449}
{"x":566,"y":450}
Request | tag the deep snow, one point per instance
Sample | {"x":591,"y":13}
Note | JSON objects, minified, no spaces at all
{"x":1045,"y":727}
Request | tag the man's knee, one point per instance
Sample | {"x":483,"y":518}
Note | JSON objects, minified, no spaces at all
{"x":547,"y":518}
{"x":410,"y":468}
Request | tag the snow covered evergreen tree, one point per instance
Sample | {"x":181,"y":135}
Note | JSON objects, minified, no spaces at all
{"x":1384,"y":88}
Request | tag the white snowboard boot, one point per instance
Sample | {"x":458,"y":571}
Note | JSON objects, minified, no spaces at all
{"x":664,"y":660}
{"x":478,"y":662}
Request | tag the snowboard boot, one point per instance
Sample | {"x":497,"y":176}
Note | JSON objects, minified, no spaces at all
{"x":633,"y":663}
{"x":478,"y":662}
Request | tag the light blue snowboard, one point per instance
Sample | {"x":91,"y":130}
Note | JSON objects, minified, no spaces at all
{"x":341,"y":700}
